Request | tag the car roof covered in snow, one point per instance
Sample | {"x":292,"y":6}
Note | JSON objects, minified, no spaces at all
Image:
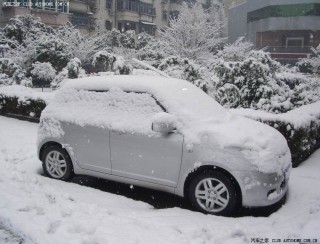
{"x":173,"y":94}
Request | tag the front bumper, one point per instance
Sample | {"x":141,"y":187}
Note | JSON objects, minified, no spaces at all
{"x":259,"y":189}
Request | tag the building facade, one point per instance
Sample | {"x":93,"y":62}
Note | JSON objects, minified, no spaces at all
{"x":51,"y":12}
{"x":94,"y":16}
{"x":140,"y":16}
{"x":288,"y":29}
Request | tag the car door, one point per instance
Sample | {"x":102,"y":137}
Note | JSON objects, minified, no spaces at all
{"x":90,"y":146}
{"x":86,"y":135}
{"x":151,"y":159}
{"x":142,"y":154}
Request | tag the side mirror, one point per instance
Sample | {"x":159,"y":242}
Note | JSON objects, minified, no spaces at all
{"x":164,"y":123}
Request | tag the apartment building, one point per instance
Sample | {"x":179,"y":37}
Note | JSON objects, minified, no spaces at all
{"x":52,"y":12}
{"x":94,"y":16}
{"x":288,"y":29}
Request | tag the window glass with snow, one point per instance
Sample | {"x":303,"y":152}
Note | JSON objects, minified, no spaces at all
{"x":115,"y":109}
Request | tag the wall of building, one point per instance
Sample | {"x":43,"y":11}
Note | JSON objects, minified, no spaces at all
{"x":239,"y":26}
{"x":53,"y":19}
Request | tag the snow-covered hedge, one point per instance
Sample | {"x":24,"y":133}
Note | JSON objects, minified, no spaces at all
{"x":260,"y":83}
{"x":310,"y":65}
{"x":11,"y":73}
{"x":301,"y":128}
{"x":183,"y":68}
{"x":22,"y":101}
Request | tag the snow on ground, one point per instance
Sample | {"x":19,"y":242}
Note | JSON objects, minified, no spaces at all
{"x":36,"y":209}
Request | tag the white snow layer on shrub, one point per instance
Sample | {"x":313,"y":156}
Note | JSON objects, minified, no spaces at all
{"x":299,"y":117}
{"x":25,"y":93}
{"x":198,"y":116}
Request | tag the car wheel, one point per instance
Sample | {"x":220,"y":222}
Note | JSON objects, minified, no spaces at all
{"x":213,"y":193}
{"x":57,"y":164}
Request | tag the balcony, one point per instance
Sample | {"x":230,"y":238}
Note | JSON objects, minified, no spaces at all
{"x":138,"y":7}
{"x":50,"y":18}
{"x":82,"y":20}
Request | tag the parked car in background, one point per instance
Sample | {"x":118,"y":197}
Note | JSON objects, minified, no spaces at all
{"x":164,"y":134}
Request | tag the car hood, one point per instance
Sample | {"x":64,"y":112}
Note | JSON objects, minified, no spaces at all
{"x":263,"y":147}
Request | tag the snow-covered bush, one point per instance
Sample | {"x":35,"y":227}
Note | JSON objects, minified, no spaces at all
{"x":120,"y":67}
{"x":63,"y":74}
{"x":54,"y":51}
{"x":10,"y":72}
{"x":5,"y":80}
{"x":303,"y":89}
{"x":300,"y":127}
{"x":104,"y":61}
{"x":258,"y":82}
{"x":185,"y":69}
{"x":73,"y":68}
{"x":42,"y":74}
{"x":310,"y":65}
{"x":252,"y":79}
{"x":237,"y":51}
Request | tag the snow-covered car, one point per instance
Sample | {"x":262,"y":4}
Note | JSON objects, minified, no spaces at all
{"x":165,"y":134}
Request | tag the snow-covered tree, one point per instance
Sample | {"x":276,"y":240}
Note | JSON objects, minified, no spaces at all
{"x":22,"y":26}
{"x":194,"y":34}
{"x":42,"y":74}
{"x":151,"y":52}
{"x":54,"y":51}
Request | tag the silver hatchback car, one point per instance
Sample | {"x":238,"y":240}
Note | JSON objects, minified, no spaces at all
{"x":164,"y":134}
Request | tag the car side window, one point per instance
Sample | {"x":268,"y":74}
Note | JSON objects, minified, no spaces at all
{"x":115,"y":109}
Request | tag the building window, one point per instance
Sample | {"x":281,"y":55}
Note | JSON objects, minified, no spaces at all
{"x":164,"y":15}
{"x":174,"y":14}
{"x":81,"y":19}
{"x":294,"y":42}
{"x":109,"y":4}
{"x":126,"y":26}
{"x":183,"y":1}
{"x":108,"y":25}
{"x":289,"y":10}
{"x":148,"y":28}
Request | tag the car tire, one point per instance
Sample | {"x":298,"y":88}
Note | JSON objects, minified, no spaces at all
{"x":57,"y":164}
{"x":214,"y":193}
